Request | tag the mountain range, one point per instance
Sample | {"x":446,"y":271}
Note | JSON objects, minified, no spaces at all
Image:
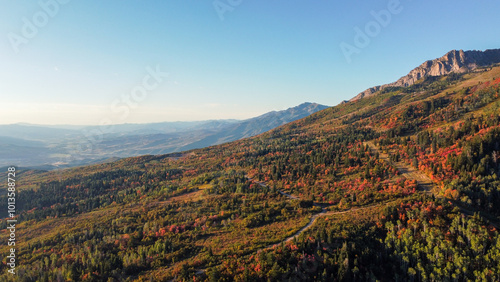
{"x":49,"y":147}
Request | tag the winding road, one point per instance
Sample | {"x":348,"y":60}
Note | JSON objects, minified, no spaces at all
{"x":314,"y":217}
{"x":423,"y":180}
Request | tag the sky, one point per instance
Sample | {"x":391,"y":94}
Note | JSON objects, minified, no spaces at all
{"x":122,"y":61}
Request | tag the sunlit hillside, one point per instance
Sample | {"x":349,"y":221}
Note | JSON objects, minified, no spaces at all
{"x":402,"y":185}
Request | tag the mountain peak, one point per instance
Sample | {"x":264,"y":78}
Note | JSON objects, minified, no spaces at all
{"x":455,"y":61}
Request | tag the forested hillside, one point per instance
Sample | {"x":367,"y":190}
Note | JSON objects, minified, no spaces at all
{"x":399,"y":186}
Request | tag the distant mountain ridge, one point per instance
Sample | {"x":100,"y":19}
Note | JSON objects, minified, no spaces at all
{"x":257,"y":125}
{"x":457,"y":61}
{"x":39,"y":146}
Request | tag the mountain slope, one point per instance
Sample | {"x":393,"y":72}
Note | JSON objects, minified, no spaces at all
{"x":453,"y":62}
{"x":351,"y":180}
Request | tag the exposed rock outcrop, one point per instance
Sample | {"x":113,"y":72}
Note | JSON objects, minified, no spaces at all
{"x":453,"y":61}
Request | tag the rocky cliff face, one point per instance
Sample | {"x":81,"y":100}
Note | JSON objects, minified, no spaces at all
{"x":453,"y":61}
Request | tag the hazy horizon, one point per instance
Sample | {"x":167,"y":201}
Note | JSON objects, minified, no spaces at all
{"x":156,"y":122}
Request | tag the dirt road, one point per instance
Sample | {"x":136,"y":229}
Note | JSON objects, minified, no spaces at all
{"x":423,"y":180}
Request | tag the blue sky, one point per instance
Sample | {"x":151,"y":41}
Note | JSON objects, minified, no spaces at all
{"x":86,"y":58}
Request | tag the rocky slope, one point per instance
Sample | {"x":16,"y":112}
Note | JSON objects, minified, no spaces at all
{"x":454,"y":61}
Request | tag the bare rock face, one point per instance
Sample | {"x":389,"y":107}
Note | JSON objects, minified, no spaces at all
{"x":454,"y":61}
